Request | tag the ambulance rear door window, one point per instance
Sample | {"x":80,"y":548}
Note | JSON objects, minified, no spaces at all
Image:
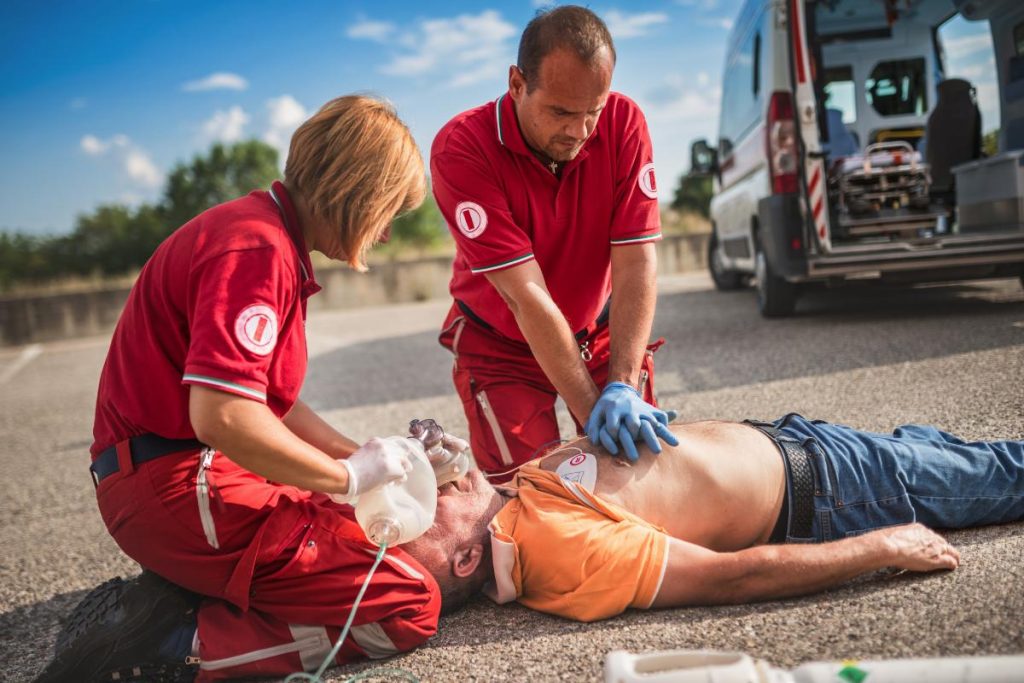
{"x":898,"y":87}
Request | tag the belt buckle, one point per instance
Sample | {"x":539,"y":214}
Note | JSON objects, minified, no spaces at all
{"x":95,"y":478}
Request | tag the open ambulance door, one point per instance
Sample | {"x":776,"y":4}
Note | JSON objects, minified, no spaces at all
{"x":808,"y":126}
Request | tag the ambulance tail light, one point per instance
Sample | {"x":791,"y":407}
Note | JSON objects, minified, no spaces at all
{"x":780,"y":133}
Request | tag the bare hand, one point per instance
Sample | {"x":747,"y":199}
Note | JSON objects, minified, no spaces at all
{"x":917,"y":548}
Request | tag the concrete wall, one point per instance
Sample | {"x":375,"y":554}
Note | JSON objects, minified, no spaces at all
{"x":41,"y":318}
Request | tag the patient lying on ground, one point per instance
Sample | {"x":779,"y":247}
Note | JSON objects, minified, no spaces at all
{"x":735,"y":513}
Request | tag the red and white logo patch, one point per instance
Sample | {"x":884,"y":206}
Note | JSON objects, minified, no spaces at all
{"x":256,"y":329}
{"x":646,"y":181}
{"x":471,"y":219}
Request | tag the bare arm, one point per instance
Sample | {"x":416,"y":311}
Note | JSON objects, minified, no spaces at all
{"x":253,"y":437}
{"x":312,"y":429}
{"x":698,"y":576}
{"x":548,"y":335}
{"x":634,"y":292}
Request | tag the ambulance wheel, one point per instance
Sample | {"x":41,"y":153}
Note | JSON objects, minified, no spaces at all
{"x":776,"y":297}
{"x":725,"y":280}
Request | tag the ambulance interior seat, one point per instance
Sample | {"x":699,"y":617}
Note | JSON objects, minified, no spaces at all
{"x":841,"y":142}
{"x":953,"y":135}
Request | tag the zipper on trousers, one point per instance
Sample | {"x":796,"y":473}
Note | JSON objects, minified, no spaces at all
{"x":492,"y":421}
{"x":203,"y":494}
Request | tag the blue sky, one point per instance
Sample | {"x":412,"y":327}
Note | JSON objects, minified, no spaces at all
{"x":99,"y":99}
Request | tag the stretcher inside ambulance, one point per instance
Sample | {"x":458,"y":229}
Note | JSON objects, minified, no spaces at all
{"x":850,"y":150}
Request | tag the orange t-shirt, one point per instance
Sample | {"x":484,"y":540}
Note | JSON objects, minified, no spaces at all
{"x":560,"y":549}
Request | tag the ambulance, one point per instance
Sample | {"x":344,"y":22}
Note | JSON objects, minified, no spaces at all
{"x":845,"y":155}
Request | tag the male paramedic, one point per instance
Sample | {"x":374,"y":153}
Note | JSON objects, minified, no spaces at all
{"x":209,"y":470}
{"x":550,"y":194}
{"x":738,"y":512}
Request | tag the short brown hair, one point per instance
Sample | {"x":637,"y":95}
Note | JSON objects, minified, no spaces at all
{"x":357,"y":166}
{"x":569,"y":27}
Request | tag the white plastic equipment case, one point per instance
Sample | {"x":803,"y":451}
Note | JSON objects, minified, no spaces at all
{"x":707,"y":666}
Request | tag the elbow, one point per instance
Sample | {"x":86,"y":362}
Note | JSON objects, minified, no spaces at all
{"x":207,"y":427}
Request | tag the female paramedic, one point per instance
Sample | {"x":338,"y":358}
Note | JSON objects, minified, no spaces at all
{"x":209,"y":470}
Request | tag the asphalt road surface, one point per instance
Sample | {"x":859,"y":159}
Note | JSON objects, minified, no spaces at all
{"x":948,"y":355}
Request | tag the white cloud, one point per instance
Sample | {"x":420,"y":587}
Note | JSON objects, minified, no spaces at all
{"x":226,"y":125}
{"x":957,"y":48}
{"x":622,"y":25}
{"x":132,"y":159}
{"x":469,"y":47}
{"x":724,"y":23}
{"x":284,"y":114}
{"x":93,"y":146}
{"x":141,"y":168}
{"x":220,"y":80}
{"x":368,"y":29}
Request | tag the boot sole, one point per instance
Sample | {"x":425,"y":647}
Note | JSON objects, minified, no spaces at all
{"x":106,"y":612}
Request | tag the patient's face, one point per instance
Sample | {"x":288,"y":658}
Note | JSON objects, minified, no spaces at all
{"x":460,"y":506}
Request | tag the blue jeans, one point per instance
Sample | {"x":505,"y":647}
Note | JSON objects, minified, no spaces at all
{"x":866,"y":481}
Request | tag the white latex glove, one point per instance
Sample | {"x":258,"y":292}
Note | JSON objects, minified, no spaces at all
{"x":452,"y":462}
{"x":375,"y":463}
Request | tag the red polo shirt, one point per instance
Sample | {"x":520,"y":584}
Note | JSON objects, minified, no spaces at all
{"x":505,"y":207}
{"x":221,"y":303}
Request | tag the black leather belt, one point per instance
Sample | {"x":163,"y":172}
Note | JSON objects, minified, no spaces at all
{"x":796,"y":518}
{"x":144,"y":448}
{"x":602,"y":318}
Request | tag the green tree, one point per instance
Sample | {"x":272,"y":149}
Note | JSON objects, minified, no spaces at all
{"x":990,"y":143}
{"x":112,"y":240}
{"x":421,"y":228}
{"x":225,"y":173}
{"x":693,"y":194}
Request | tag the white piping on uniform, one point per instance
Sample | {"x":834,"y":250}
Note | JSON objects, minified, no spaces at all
{"x":400,"y":564}
{"x":636,"y":240}
{"x":497,"y":118}
{"x":492,"y":421}
{"x":224,"y":384}
{"x":503,"y":264}
{"x":203,"y":497}
{"x":319,"y":643}
{"x":374,"y":640}
{"x":461,"y":322}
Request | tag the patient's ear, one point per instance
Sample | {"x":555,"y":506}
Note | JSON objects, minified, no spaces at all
{"x":466,"y":559}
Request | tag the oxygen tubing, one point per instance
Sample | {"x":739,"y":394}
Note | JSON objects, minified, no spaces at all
{"x":329,"y":659}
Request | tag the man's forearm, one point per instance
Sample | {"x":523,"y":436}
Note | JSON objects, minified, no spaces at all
{"x":778,"y":571}
{"x":634,"y":295}
{"x":556,"y":351}
{"x":314,"y":430}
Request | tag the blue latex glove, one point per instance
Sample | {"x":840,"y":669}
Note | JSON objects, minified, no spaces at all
{"x":622,"y":417}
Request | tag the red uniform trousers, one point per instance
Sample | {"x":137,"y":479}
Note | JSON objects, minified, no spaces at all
{"x":508,"y":400}
{"x":281,"y":566}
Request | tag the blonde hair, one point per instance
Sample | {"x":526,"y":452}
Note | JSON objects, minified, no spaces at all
{"x":357,"y":166}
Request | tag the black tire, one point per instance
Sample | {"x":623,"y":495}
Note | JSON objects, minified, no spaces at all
{"x":725,"y":280}
{"x":776,"y":298}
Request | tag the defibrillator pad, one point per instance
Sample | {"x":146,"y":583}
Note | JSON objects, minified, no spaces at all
{"x":581,"y":469}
